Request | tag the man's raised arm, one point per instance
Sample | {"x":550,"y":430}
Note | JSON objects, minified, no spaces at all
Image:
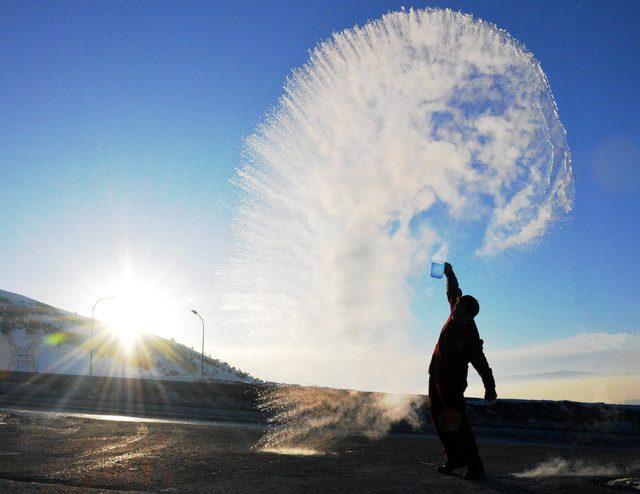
{"x":453,"y":290}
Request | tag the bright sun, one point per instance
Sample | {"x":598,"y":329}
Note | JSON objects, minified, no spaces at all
{"x":138,"y":307}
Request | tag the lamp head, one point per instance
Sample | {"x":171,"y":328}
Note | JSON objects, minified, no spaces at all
{"x":194,"y":311}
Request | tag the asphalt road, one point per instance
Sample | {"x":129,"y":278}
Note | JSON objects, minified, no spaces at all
{"x":53,"y":453}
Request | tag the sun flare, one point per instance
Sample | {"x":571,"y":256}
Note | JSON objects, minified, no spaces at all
{"x":137,"y":307}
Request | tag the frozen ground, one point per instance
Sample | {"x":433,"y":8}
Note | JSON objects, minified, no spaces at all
{"x":41,"y":452}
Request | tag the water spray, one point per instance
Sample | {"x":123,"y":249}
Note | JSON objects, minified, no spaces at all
{"x":392,"y":144}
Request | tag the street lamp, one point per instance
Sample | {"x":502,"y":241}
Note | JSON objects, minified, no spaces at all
{"x":202,"y":353}
{"x":93,"y":310}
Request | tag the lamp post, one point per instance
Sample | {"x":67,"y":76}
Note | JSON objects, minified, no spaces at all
{"x":202,"y":353}
{"x":93,"y":310}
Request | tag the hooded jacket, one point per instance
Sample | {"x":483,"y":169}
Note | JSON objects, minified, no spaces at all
{"x":458,"y":345}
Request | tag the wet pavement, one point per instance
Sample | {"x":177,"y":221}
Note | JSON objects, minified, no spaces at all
{"x":52,"y":453}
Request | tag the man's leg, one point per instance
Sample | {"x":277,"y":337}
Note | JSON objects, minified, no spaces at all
{"x":468,"y":444}
{"x":446,"y":422}
{"x":469,"y":449}
{"x":435,"y":408}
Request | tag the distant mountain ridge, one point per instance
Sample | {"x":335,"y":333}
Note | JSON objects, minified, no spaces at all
{"x":38,"y":337}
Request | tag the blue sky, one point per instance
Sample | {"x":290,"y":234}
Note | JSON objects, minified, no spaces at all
{"x":121,"y":125}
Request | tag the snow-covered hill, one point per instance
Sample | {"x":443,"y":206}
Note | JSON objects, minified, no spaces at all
{"x":38,"y":337}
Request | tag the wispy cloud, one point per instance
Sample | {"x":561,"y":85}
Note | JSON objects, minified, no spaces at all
{"x":588,"y":367}
{"x":546,"y":376}
{"x":582,"y":367}
{"x":600,"y":353}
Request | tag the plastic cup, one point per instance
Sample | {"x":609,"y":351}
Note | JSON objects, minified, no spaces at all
{"x":437,"y":269}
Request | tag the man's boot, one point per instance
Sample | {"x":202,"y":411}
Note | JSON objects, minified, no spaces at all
{"x":474,"y":472}
{"x":449,"y":467}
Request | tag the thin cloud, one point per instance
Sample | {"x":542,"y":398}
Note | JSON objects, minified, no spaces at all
{"x":606,"y":353}
{"x":589,"y":367}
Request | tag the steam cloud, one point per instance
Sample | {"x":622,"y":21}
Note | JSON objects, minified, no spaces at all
{"x":316,"y":419}
{"x":394,"y":142}
{"x":559,"y":467}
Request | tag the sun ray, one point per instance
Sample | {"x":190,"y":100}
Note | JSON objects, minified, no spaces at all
{"x":139,"y":306}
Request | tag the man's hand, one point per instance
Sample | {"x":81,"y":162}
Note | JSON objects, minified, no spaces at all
{"x":490,"y":396}
{"x":448,"y":269}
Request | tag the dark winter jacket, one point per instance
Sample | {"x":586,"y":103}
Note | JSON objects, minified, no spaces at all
{"x":458,"y":345}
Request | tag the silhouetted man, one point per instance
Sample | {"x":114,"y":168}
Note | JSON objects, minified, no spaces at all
{"x":459,"y":343}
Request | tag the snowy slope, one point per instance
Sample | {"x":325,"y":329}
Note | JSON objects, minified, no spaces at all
{"x":38,"y":337}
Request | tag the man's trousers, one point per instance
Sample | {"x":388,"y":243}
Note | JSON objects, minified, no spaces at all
{"x":449,"y":417}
